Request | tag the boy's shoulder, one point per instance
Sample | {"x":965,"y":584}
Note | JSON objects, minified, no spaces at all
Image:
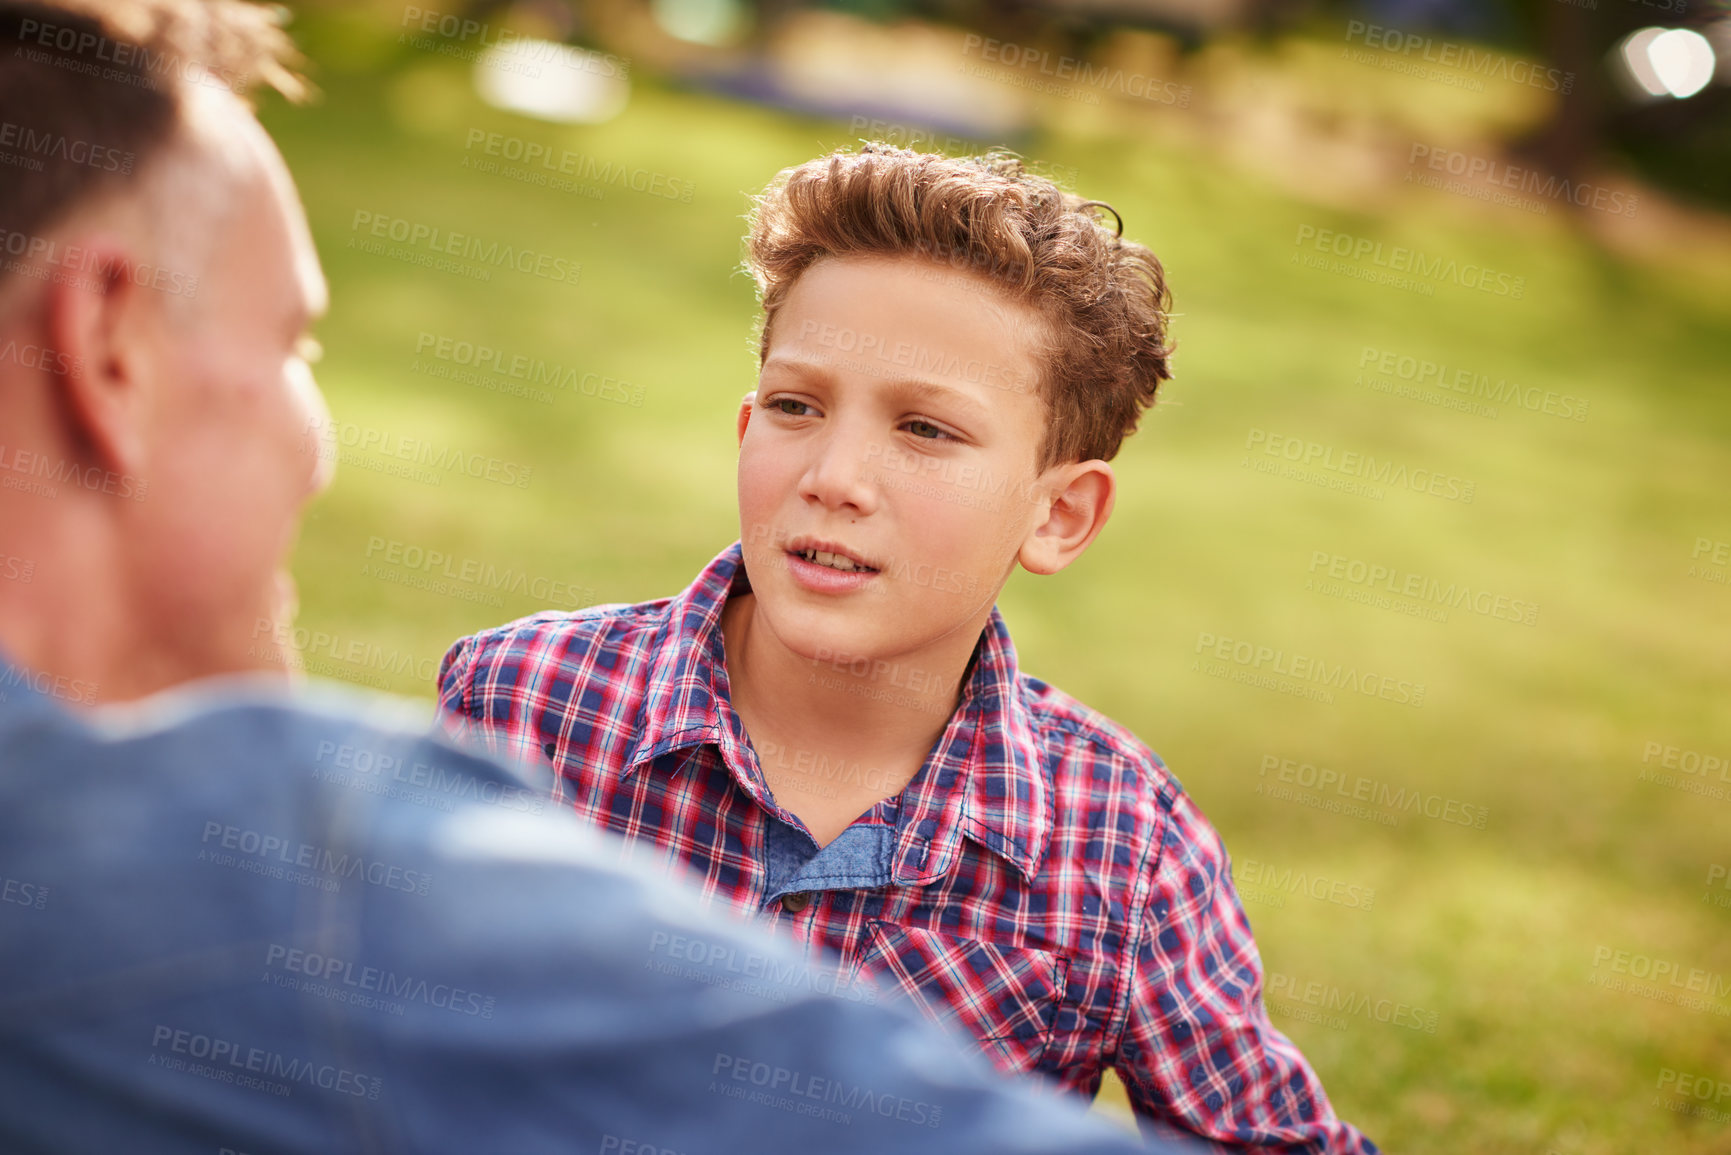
{"x":1080,"y":739}
{"x":1106,"y":778}
{"x":595,"y":633}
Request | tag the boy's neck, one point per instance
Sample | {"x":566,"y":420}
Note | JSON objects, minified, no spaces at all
{"x":834,"y":740}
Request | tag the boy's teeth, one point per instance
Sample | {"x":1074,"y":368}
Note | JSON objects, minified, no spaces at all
{"x":833,"y":560}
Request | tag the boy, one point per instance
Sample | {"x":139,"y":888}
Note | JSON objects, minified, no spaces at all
{"x":828,"y":726}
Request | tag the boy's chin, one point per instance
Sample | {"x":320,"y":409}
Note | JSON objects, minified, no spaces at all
{"x":856,"y":633}
{"x":818,"y":632}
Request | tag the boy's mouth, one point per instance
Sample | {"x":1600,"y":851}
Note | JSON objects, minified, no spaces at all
{"x":826,"y":567}
{"x":838,"y":561}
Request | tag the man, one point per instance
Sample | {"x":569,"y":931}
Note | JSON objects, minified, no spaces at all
{"x":225,"y":925}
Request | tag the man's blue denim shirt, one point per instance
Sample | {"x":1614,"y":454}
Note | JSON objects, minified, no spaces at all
{"x":236,"y":919}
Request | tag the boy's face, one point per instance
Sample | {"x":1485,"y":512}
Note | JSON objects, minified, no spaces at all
{"x":896,"y":421}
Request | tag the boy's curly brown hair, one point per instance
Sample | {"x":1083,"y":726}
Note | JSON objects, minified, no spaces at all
{"x":1105,"y":298}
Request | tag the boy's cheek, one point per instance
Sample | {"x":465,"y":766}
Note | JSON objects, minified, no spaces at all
{"x":762,"y":487}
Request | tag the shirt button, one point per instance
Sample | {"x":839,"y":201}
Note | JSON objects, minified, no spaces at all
{"x":794,"y":903}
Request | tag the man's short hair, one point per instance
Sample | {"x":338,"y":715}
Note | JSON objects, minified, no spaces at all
{"x":1105,"y":299}
{"x":90,"y":90}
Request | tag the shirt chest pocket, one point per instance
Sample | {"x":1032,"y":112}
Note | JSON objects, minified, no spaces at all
{"x":1005,"y":997}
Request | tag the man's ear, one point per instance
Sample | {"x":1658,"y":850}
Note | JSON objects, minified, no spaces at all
{"x":746,"y":404}
{"x":1081,"y":493}
{"x":98,"y":321}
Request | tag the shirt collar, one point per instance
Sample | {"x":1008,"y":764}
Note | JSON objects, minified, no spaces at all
{"x":986,"y":779}
{"x":681,"y":697}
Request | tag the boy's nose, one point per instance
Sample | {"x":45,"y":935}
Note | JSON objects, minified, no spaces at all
{"x":839,"y":476}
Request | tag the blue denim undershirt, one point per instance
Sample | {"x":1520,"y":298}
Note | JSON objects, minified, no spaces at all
{"x":860,"y":857}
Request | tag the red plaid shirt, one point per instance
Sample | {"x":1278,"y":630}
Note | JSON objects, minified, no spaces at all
{"x":1043,"y":883}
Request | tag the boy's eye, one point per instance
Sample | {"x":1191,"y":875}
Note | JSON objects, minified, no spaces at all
{"x":924,"y":429}
{"x":781,"y":405}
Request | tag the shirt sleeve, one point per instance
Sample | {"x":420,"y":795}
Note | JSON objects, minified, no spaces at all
{"x":456,"y":671}
{"x":1199,"y":1055}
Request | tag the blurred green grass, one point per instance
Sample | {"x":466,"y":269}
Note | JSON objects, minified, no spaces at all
{"x":1494,"y":929}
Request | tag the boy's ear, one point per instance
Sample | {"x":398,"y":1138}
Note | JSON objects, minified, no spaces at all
{"x":745,"y":406}
{"x":1081,"y":493}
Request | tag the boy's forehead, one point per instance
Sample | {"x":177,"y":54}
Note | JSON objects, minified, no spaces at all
{"x":877,"y":312}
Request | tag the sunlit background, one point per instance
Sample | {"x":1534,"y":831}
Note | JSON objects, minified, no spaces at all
{"x":1480,"y":243}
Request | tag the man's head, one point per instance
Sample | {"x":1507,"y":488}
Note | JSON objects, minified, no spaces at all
{"x":951,"y":351}
{"x":157,"y":411}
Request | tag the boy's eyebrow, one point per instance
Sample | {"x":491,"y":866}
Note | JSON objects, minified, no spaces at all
{"x":917,"y":388}
{"x":927,"y":390}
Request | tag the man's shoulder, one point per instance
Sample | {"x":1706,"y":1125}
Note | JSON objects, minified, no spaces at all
{"x":257,"y":728}
{"x":1081,"y":740}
